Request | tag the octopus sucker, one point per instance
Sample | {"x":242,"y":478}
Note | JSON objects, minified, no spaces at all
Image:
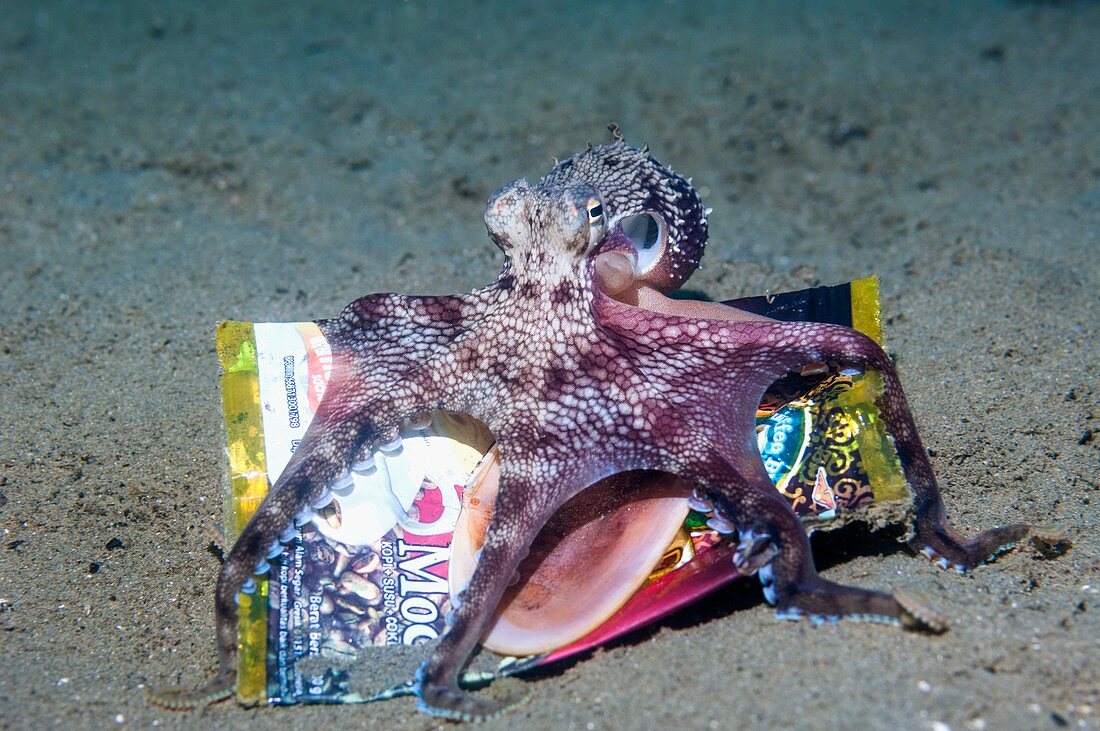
{"x":565,"y":303}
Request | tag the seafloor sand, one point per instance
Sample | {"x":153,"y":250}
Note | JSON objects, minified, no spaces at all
{"x":165,"y":168}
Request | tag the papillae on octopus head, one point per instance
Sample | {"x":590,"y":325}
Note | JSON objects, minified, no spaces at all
{"x":557,"y":228}
{"x":546,"y":231}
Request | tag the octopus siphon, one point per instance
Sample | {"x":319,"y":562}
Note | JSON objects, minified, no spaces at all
{"x":583,"y":368}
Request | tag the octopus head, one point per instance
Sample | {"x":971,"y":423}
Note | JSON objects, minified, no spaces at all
{"x":544,"y":226}
{"x":660,"y":213}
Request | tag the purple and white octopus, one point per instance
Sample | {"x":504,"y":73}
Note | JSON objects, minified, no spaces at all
{"x":582,"y":369}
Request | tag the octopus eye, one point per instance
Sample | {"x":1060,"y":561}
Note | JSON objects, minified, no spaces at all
{"x":597,"y":225}
{"x":648,"y":234}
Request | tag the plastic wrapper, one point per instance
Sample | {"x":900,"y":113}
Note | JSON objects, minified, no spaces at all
{"x":349,"y":611}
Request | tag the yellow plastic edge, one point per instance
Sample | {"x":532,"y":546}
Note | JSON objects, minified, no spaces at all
{"x":880,"y":459}
{"x":866,"y":310}
{"x":248,"y":484}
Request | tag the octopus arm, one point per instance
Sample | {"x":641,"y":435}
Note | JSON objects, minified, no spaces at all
{"x":382,"y":345}
{"x":718,"y":371}
{"x":933,"y":535}
{"x":382,"y":336}
{"x":533,"y":486}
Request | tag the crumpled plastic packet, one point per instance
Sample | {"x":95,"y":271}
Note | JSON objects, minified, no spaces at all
{"x":350,"y":609}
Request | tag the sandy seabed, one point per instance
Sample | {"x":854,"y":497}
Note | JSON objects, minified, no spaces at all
{"x":166,"y":167}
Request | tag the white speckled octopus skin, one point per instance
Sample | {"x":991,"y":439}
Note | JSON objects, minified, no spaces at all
{"x":577,"y":386}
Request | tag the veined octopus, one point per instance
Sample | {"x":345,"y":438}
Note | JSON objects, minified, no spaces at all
{"x":584,"y":369}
